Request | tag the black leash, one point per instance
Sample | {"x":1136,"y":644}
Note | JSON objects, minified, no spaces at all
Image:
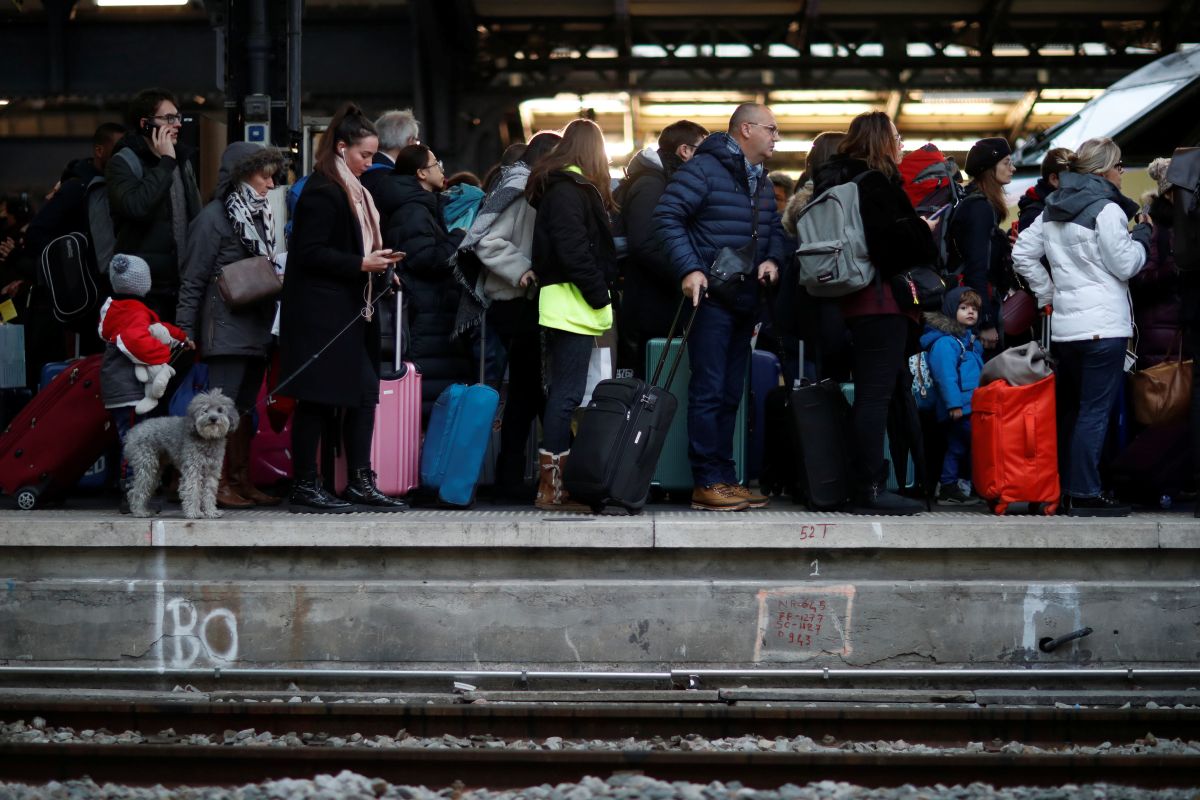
{"x":362,"y":314}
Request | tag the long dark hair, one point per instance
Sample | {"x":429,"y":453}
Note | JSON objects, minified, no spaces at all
{"x":870,"y":139}
{"x":991,"y":188}
{"x":582,"y":146}
{"x":349,"y":126}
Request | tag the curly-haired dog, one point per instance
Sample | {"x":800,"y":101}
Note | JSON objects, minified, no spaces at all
{"x":194,"y":443}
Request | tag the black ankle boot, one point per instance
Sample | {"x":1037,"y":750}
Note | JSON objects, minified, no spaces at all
{"x":875,"y":498}
{"x":309,"y":497}
{"x":362,"y":491}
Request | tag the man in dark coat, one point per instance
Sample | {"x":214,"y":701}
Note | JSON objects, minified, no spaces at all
{"x":154,"y":199}
{"x":397,"y":130}
{"x":651,"y":287}
{"x":708,"y":205}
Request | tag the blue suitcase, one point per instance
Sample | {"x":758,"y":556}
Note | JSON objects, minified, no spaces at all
{"x":460,"y":430}
{"x":766,"y":374}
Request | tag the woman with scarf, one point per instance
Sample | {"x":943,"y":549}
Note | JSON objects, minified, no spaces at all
{"x":234,"y":343}
{"x":329,"y":332}
{"x":495,"y":268}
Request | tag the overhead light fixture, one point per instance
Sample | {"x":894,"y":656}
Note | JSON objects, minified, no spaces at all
{"x":4,"y":101}
{"x":137,"y":3}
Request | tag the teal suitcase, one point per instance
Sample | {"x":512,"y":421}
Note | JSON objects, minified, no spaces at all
{"x":910,"y":471}
{"x":674,"y":472}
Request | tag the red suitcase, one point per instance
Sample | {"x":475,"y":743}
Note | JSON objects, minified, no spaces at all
{"x":52,"y":442}
{"x":1014,"y":445}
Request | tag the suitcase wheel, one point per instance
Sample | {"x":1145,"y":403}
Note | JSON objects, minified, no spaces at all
{"x":998,"y":508}
{"x":27,"y":498}
{"x":1049,"y":509}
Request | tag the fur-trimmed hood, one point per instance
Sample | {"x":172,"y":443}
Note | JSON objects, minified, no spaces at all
{"x":242,"y":159}
{"x":944,"y":324}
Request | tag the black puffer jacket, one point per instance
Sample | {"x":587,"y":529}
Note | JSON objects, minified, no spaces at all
{"x":982,"y":253}
{"x":431,"y":293}
{"x":384,"y":185}
{"x":1033,"y":203}
{"x":572,"y":238}
{"x":651,"y":287}
{"x":142,"y":213}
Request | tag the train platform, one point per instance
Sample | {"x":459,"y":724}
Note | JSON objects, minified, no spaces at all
{"x":671,"y":591}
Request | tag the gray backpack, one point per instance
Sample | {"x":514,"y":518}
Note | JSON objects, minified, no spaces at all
{"x":832,"y":259}
{"x":100,"y":222}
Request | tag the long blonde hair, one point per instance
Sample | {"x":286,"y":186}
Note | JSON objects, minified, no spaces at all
{"x":582,"y":146}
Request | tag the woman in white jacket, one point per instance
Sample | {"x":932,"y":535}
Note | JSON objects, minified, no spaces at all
{"x":1084,"y":235}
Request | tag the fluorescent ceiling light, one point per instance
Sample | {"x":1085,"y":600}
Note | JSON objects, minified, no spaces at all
{"x":1064,"y":109}
{"x":951,"y":110}
{"x":687,"y":110}
{"x":4,"y":101}
{"x":803,"y":110}
{"x":824,"y":96}
{"x":132,"y":3}
{"x":1069,"y":94}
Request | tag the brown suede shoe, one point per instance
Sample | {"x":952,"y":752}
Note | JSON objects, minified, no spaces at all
{"x":717,"y":497}
{"x":753,"y":499}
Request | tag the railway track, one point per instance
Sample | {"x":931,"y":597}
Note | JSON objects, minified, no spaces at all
{"x":163,"y":759}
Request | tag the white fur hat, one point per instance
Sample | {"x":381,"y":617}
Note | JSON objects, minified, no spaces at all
{"x":129,"y":275}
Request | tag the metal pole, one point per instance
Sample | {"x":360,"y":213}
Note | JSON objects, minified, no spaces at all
{"x":295,"y":10}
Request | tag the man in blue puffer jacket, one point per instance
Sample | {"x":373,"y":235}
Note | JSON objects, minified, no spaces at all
{"x":709,"y":205}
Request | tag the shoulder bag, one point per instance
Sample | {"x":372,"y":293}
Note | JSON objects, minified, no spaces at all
{"x":246,"y":282}
{"x":1161,"y":394}
{"x":732,"y":266}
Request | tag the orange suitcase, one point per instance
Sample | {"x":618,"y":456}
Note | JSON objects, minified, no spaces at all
{"x":1014,"y":445}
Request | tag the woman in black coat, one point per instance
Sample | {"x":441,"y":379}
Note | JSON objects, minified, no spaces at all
{"x":234,"y":342}
{"x":334,"y":255}
{"x":979,"y":249}
{"x":416,"y":228}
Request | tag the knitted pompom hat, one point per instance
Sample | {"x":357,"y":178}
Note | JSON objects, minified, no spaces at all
{"x":130,"y":275}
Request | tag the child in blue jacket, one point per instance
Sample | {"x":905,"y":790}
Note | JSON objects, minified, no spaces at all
{"x":955,"y":357}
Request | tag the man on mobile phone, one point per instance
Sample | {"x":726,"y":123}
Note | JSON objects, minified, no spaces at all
{"x":152,"y":194}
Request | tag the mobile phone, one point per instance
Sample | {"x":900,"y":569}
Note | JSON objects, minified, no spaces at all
{"x":394,"y":255}
{"x":147,"y":128}
{"x":939,"y":212}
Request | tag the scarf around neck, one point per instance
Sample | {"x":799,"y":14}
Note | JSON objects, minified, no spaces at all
{"x":363,"y":205}
{"x":247,"y":211}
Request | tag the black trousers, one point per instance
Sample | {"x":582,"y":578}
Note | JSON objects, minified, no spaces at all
{"x":880,"y":341}
{"x":315,"y":422}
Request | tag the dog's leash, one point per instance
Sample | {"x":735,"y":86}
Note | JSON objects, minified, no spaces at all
{"x":367,"y":309}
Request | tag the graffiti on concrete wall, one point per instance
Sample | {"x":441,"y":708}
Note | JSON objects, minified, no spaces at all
{"x":193,"y":638}
{"x":799,"y":623}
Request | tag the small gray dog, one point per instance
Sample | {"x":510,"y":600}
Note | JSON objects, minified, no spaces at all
{"x":194,"y":443}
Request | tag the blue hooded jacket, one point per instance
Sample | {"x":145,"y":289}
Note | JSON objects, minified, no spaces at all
{"x":955,"y":356}
{"x":707,"y":206}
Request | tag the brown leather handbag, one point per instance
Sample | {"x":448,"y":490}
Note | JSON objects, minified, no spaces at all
{"x":249,"y":281}
{"x":1161,"y":393}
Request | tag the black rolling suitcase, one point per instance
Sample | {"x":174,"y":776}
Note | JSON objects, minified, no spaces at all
{"x":621,"y":435}
{"x":808,"y":443}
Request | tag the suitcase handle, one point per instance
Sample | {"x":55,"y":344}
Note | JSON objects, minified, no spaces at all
{"x":662,"y":359}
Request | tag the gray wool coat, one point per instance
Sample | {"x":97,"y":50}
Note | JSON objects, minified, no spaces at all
{"x":217,"y":329}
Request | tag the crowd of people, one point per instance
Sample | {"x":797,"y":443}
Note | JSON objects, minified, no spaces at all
{"x":527,"y":267}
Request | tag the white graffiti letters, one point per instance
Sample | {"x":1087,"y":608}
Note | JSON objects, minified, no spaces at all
{"x":215,"y":635}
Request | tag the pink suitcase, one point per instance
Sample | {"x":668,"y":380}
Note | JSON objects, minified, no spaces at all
{"x":396,"y":444}
{"x":270,"y":451}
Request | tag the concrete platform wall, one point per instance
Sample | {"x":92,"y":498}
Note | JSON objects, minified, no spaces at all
{"x":667,"y":591}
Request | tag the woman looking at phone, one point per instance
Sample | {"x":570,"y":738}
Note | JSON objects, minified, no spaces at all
{"x":336,"y":260}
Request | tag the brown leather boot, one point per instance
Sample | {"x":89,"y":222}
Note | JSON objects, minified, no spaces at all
{"x":241,"y":466}
{"x":227,"y":495}
{"x":552,"y":464}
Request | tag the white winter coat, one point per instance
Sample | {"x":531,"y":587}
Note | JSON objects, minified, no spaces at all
{"x":1089,"y":272}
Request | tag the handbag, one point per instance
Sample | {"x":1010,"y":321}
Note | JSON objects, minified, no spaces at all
{"x":1017,"y":312}
{"x":1161,"y":393}
{"x":248,"y":281}
{"x":733,"y":265}
{"x":1020,"y":366}
{"x":919,"y":287}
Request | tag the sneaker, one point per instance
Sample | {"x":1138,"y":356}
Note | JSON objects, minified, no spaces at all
{"x":718,"y":497}
{"x":1100,"y":506}
{"x":952,"y":494}
{"x":875,"y":499}
{"x":753,"y":499}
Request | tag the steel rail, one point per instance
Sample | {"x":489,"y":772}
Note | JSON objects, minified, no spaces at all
{"x":924,"y":724}
{"x":175,"y":765}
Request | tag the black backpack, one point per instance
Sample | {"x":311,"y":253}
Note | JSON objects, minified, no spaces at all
{"x":1184,"y":177}
{"x":68,"y":273}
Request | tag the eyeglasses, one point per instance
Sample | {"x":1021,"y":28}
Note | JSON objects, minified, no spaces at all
{"x":437,"y":164}
{"x":899,"y":139}
{"x":1120,"y":166}
{"x":170,"y":119}
{"x":771,"y":129}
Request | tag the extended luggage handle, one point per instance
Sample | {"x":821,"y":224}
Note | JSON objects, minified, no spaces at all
{"x":687,"y":329}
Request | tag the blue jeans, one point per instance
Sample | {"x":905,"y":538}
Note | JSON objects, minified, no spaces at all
{"x":957,"y":462}
{"x":1089,"y":374}
{"x":719,"y":354}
